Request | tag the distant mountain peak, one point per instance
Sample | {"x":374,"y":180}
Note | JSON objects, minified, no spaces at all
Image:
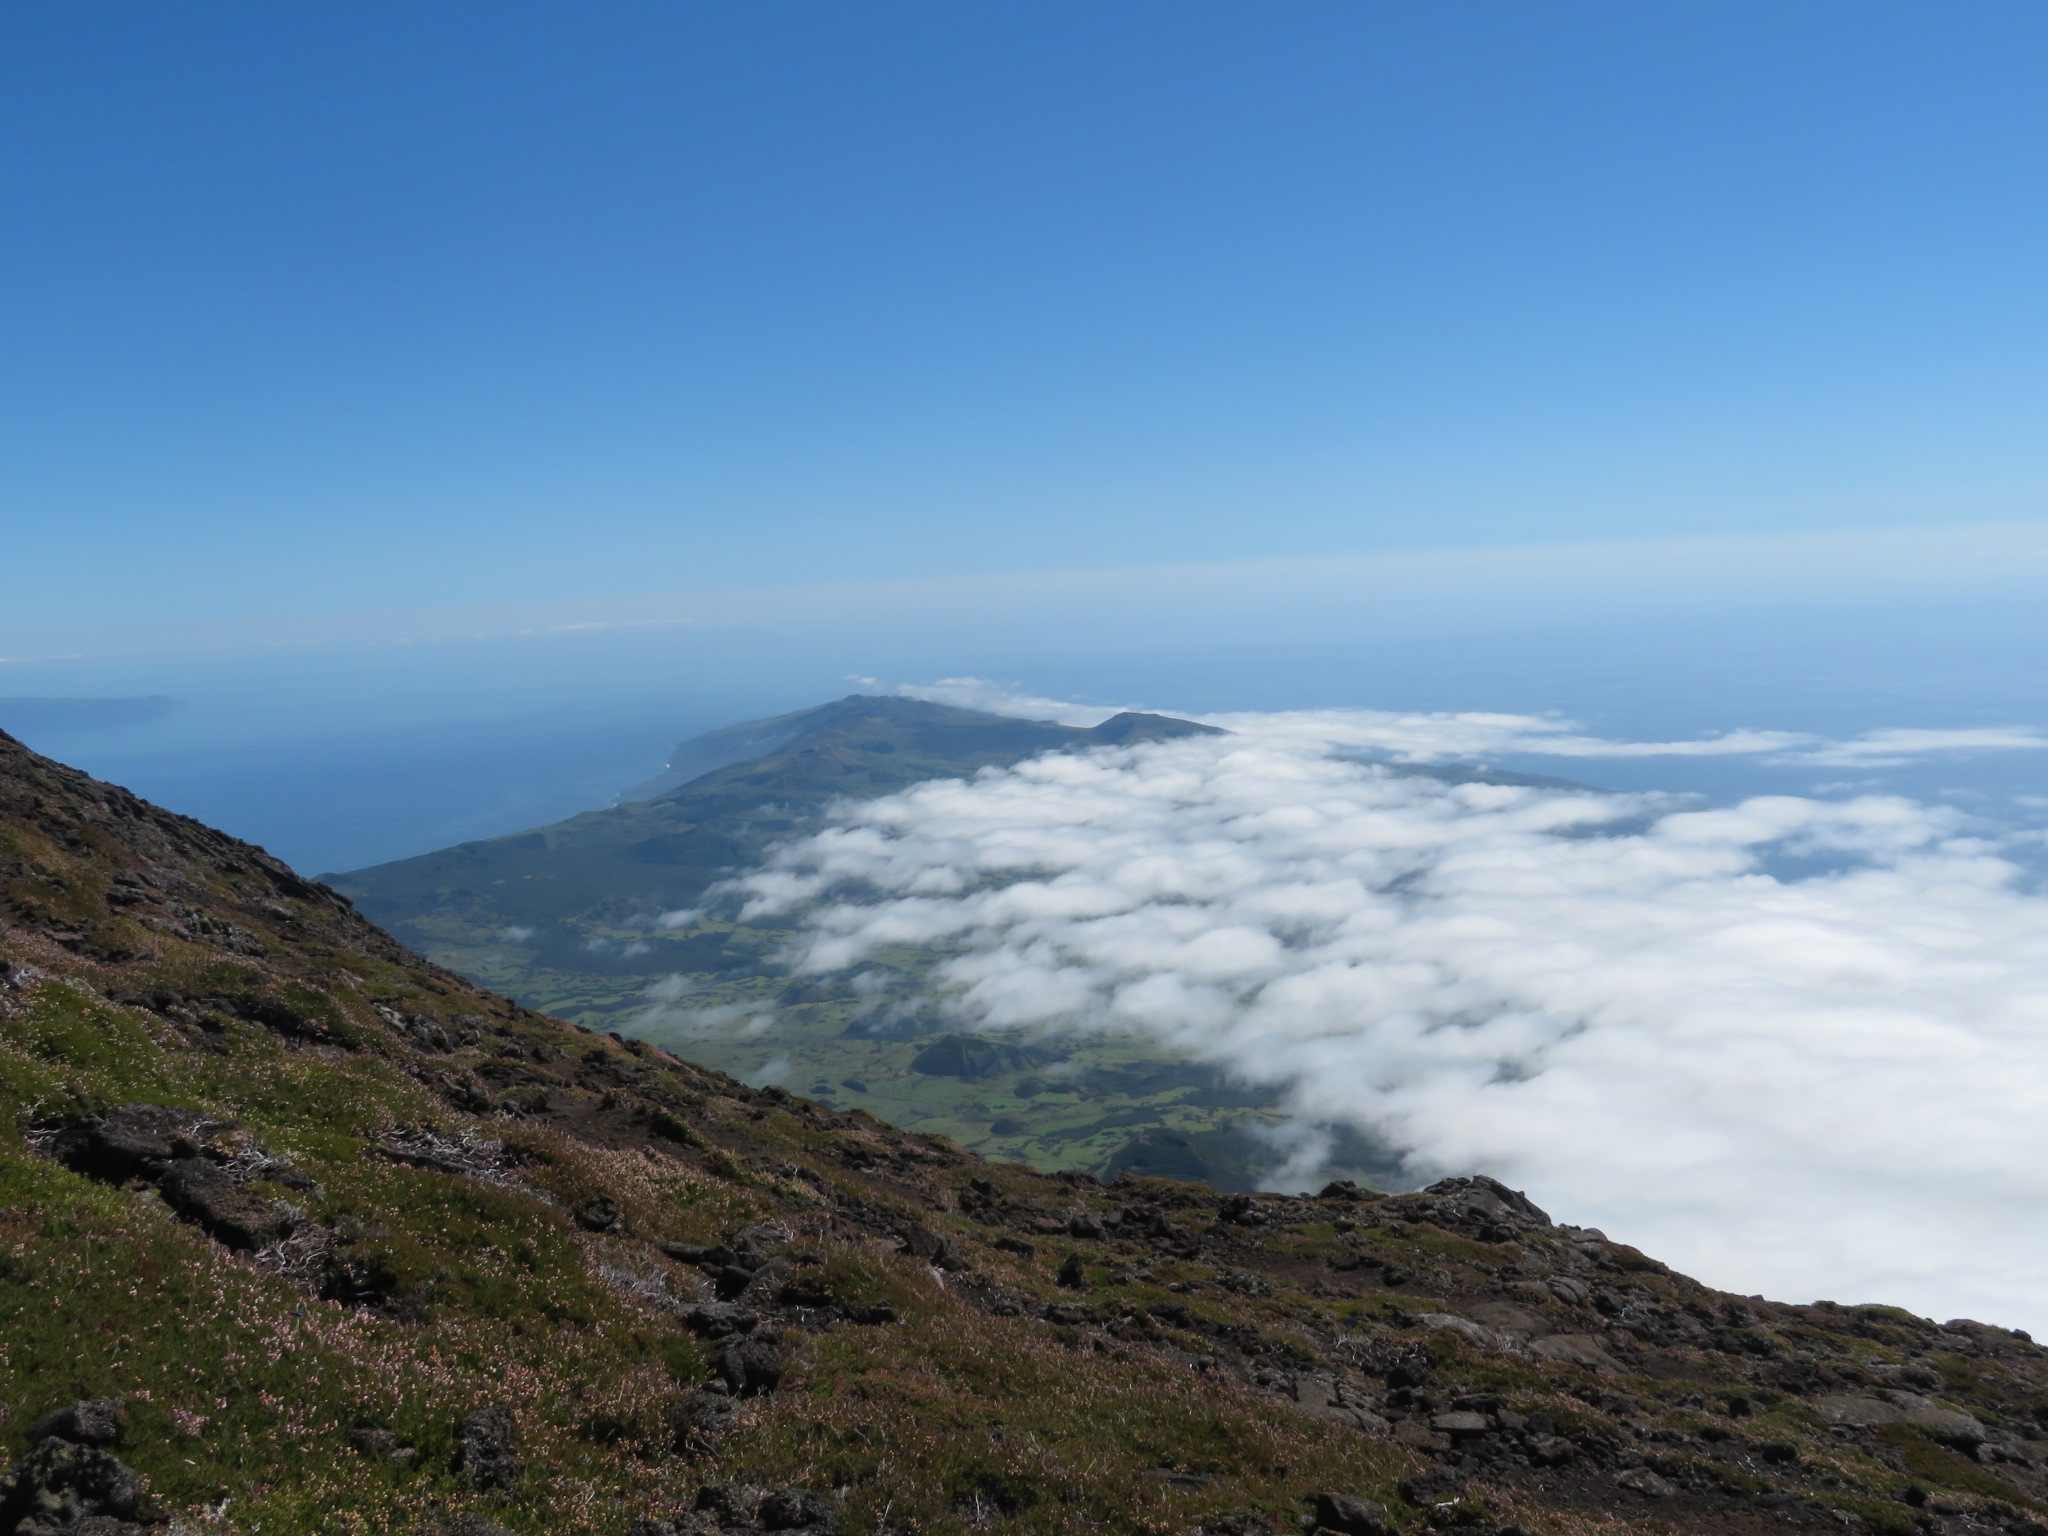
{"x":1137,"y":725}
{"x":941,"y":726}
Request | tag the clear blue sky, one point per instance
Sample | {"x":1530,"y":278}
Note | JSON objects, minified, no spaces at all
{"x":320,"y":307}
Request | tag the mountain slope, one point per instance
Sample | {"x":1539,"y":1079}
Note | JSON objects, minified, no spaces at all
{"x":304,"y":1234}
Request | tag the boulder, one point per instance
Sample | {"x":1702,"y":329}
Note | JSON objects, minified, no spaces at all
{"x":698,"y":1419}
{"x":1351,"y":1516}
{"x":680,"y":1525}
{"x":486,"y":1447}
{"x":720,"y":1319}
{"x":133,"y":1141}
{"x":1575,"y":1349}
{"x":729,"y":1502}
{"x":762,"y":1238}
{"x":206,"y":1194}
{"x":1949,"y":1427}
{"x":1478,"y":1333}
{"x":1856,"y":1412}
{"x":1428,"y":1490}
{"x":752,"y":1365}
{"x":1642,"y":1480}
{"x":59,"y":1484}
{"x":798,"y":1509}
{"x":97,"y":1421}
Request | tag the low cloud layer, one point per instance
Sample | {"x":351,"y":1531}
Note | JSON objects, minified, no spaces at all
{"x":1796,"y":1047}
{"x":1444,"y":736}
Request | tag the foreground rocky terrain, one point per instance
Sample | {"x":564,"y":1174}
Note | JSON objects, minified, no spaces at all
{"x":301,"y":1233}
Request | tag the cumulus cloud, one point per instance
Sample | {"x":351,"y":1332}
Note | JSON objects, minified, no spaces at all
{"x":1793,"y":1046}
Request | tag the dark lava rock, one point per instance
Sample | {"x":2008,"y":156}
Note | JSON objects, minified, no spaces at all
{"x":1428,"y":1489}
{"x":698,"y":1419}
{"x":729,"y":1503}
{"x":133,"y":1141}
{"x":206,"y":1194}
{"x":59,"y":1485}
{"x":1642,"y":1480}
{"x":1241,"y":1210}
{"x":798,"y":1509}
{"x":761,"y":1239}
{"x":729,"y":1279}
{"x":472,"y":1524}
{"x":695,"y":1253}
{"x":805,"y":1291}
{"x":1072,"y":1314}
{"x":682,"y":1525}
{"x":933,"y":1247}
{"x":753,"y":1365}
{"x":97,"y":1421}
{"x":599,"y":1215}
{"x":375,"y":1441}
{"x":485,"y":1447}
{"x":1354,"y":1517}
{"x":1247,"y":1522}
{"x":720,"y":1319}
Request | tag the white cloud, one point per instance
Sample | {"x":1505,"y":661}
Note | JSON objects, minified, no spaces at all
{"x":1826,"y":1085}
{"x":1002,"y":699}
{"x":1878,"y":749}
{"x":1443,"y":736}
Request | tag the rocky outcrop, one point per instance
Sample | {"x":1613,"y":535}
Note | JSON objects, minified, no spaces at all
{"x":69,"y":1481}
{"x":487,"y":1451}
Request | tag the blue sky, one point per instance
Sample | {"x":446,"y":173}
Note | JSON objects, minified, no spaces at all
{"x":331,"y":308}
{"x":450,"y":405}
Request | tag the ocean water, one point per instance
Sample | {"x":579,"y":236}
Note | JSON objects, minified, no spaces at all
{"x":336,"y":757}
